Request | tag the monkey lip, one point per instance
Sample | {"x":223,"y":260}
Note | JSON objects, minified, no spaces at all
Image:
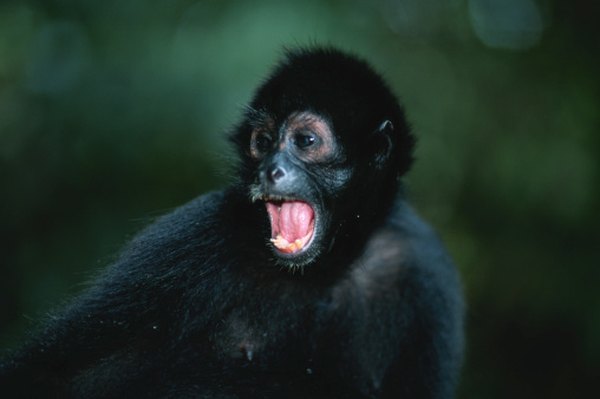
{"x":292,"y":224}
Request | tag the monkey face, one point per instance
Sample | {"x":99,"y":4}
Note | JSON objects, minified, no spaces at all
{"x":293,"y":182}
{"x":322,"y":145}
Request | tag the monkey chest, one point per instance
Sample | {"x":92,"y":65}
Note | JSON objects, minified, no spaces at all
{"x":263,"y":339}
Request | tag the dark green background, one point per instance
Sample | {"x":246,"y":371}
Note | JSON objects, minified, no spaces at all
{"x":113,"y":112}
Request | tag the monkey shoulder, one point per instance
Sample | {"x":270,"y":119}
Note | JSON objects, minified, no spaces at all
{"x":186,"y":233}
{"x":402,"y":288}
{"x":197,"y":217}
{"x":404,"y":241}
{"x":405,"y":259}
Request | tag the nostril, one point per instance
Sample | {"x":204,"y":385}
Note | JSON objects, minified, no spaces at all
{"x":276,"y":174}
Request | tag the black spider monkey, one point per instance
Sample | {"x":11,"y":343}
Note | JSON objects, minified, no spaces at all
{"x":310,"y":277}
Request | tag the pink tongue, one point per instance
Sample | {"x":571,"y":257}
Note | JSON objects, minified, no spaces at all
{"x":293,"y":221}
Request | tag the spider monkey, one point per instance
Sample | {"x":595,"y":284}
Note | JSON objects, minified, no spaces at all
{"x":309,"y":277}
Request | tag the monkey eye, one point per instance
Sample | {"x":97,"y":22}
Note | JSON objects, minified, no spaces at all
{"x":262,"y":142}
{"x":304,"y":139}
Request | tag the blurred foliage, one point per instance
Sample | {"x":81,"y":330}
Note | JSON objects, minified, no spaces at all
{"x":114,"y":112}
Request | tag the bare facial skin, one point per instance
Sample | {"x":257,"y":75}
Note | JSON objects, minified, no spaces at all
{"x":309,"y":132}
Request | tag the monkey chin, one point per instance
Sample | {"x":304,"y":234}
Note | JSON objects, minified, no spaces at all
{"x":295,"y":256}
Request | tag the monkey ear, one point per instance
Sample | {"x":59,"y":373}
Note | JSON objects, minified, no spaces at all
{"x":386,"y":127}
{"x":383,"y":143}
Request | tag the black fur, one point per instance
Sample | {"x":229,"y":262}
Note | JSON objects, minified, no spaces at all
{"x":199,"y":305}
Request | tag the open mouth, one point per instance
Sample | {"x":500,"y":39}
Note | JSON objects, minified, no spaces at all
{"x":292,"y":224}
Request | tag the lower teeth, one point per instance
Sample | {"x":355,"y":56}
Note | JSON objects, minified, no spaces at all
{"x":283,"y":244}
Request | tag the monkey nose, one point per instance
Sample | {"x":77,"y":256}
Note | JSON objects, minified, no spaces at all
{"x":275,"y":174}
